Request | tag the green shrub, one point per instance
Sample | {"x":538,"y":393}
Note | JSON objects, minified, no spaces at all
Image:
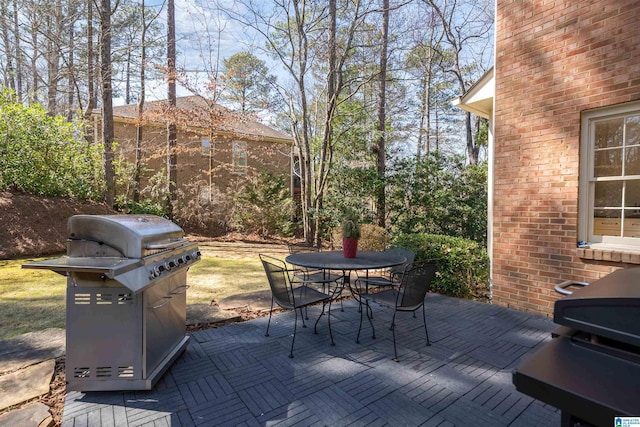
{"x":263,"y":206}
{"x":142,"y":207}
{"x":463,"y":265}
{"x":41,"y":154}
{"x":439,"y":194}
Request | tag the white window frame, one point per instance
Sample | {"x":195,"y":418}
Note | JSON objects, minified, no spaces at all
{"x":587,"y":179}
{"x":239,"y":157}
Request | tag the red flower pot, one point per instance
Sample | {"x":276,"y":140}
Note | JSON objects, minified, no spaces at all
{"x":349,"y":247}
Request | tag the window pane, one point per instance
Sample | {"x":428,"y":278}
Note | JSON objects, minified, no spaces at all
{"x":206,"y":147}
{"x":608,"y":162}
{"x":632,"y":161}
{"x":607,"y":222}
{"x":632,"y":131}
{"x":609,"y":133}
{"x":608,"y":193}
{"x":632,"y":223}
{"x":239,"y":157}
{"x":632,"y":194}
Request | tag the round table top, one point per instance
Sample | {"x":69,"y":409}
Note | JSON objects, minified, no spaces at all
{"x":334,"y":260}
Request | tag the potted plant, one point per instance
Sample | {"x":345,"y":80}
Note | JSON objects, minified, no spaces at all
{"x":350,"y":236}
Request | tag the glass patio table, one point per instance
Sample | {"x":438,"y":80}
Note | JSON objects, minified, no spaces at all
{"x":334,"y":260}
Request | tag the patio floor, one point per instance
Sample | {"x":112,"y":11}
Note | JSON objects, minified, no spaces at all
{"x":234,"y":375}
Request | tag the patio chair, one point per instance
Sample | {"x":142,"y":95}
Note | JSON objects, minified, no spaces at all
{"x":389,"y":277}
{"x":409,"y":296}
{"x":319,"y":276}
{"x":290,"y":297}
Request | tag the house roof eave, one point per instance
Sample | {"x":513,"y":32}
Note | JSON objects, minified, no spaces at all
{"x":479,"y":98}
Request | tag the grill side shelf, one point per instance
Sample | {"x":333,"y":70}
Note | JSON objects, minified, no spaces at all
{"x":108,"y":266}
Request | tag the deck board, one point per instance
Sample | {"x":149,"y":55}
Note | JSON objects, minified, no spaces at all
{"x":234,"y":375}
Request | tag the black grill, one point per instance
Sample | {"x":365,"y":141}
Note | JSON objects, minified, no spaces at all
{"x":591,"y":368}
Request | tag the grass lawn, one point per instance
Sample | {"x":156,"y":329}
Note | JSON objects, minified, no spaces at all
{"x":32,"y":300}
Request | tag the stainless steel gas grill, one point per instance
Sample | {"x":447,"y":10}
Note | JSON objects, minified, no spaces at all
{"x":126,"y":299}
{"x":591,"y":368}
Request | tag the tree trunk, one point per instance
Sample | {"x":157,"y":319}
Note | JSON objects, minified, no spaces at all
{"x":172,"y":158}
{"x":382,"y":118}
{"x":18,"y":54}
{"x":34,"y":63}
{"x":91,"y":93}
{"x":9,"y":74}
{"x":139,"y":130}
{"x":107,"y":100}
{"x":71,"y":78}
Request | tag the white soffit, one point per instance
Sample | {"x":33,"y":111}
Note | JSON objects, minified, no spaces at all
{"x":479,"y":98}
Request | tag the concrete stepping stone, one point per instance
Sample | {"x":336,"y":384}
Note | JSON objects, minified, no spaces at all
{"x":33,"y":415}
{"x":25,"y":384}
{"x":257,"y":301}
{"x":28,"y":349}
{"x":198,"y":314}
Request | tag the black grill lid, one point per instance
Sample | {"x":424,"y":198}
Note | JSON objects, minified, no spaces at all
{"x":608,"y":307}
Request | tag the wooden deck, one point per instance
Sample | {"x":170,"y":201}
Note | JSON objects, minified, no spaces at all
{"x":234,"y":375}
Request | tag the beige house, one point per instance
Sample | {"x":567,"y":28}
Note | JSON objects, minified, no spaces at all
{"x":563,"y":100}
{"x":217,"y":149}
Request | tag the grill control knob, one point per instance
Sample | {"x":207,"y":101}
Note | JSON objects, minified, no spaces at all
{"x":172,"y":264}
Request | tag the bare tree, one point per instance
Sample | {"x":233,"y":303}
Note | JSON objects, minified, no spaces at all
{"x":146,"y":24}
{"x":172,"y":157}
{"x":424,"y":60}
{"x":462,"y":25}
{"x":90,"y":64}
{"x":382,"y":116}
{"x":295,"y":32}
{"x":107,"y":99}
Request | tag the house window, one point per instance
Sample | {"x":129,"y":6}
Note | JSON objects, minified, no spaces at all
{"x":239,"y":157}
{"x":207,"y":148}
{"x":610,"y":176}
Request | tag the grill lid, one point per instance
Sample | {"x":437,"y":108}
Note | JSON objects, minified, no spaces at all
{"x":131,"y":235}
{"x":133,"y":250}
{"x":608,"y":307}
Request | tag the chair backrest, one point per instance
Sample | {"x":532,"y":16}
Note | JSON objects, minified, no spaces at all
{"x":416,"y":282}
{"x":407,"y":253}
{"x":295,"y":248}
{"x":278,"y":278}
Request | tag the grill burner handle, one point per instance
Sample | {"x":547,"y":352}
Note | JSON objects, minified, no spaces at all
{"x":167,"y":245}
{"x":561,"y":288}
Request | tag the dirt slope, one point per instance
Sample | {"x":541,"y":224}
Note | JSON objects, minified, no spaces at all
{"x":36,"y":225}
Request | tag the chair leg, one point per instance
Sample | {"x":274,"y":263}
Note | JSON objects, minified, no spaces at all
{"x":315,"y":327}
{"x":295,"y":327}
{"x":269,"y":322}
{"x":329,"y":322}
{"x":393,"y":331}
{"x":370,"y":317}
{"x":424,"y":318}
{"x":304,"y":325}
{"x":360,"y":326}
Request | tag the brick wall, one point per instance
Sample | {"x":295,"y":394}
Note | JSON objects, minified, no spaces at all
{"x":554,"y":59}
{"x":194,"y":168}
